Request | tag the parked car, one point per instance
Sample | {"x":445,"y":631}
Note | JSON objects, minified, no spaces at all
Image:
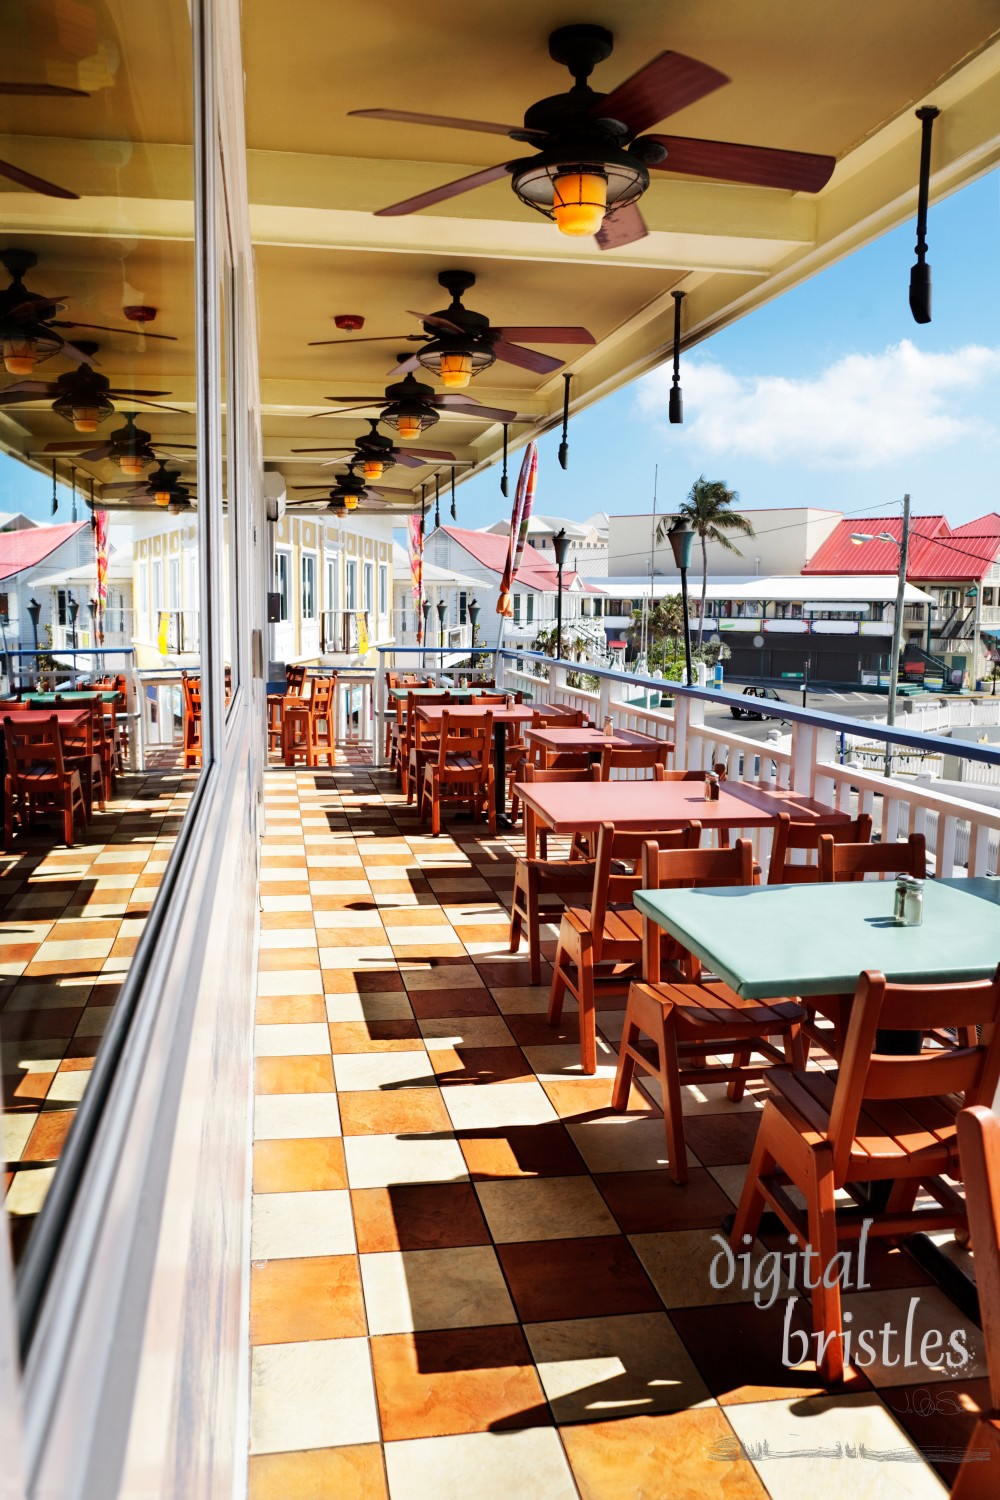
{"x":744,"y":711}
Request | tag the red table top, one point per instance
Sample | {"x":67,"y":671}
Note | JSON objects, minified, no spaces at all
{"x":571,"y":807}
{"x":431,"y":713}
{"x":591,"y":739}
{"x":68,"y":718}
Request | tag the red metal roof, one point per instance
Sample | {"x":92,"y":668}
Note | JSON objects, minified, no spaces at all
{"x":25,"y":549}
{"x":988,"y":525}
{"x":491,"y":550}
{"x":936,"y":551}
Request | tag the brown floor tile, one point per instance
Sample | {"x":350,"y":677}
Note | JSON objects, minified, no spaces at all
{"x":288,"y":1009}
{"x":356,"y":1473}
{"x":738,"y":1349}
{"x":283,"y":887}
{"x":940,"y":1417}
{"x":722,"y":1139}
{"x":531,"y":1029}
{"x":514,"y":971}
{"x":348,"y":982}
{"x":432,"y":1216}
{"x":293,"y":1075}
{"x":283,"y":921}
{"x":591,"y":1277}
{"x":291,"y":1166}
{"x":38,"y":1025}
{"x":280,"y":960}
{"x":521,"y":1151}
{"x":590,"y":1098}
{"x":645,"y":1202}
{"x":456,"y":1380}
{"x":653,"y":1458}
{"x":472,"y":1065}
{"x":48,"y":1135}
{"x":374,"y":1036}
{"x":430,"y":1003}
{"x":393,"y":1112}
{"x":317,"y":1297}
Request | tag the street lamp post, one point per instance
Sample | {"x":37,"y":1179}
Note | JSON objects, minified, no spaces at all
{"x":560,"y":546}
{"x":681,"y":537}
{"x":474,"y":620}
{"x":442,"y":610}
{"x":975,"y":593}
{"x":74,"y":609}
{"x":34,"y":614}
{"x":897,"y":628}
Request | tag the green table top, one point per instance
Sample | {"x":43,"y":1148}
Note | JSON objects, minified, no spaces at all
{"x":814,"y":939}
{"x":424,"y":692}
{"x":91,"y":695}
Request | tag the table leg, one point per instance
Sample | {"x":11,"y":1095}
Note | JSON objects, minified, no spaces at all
{"x":500,"y":774}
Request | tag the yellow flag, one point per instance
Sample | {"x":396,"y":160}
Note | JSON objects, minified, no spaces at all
{"x":162,"y":642}
{"x":363,"y":640}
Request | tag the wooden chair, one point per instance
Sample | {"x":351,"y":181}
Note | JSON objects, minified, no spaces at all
{"x":689,"y":1018}
{"x":880,"y":1119}
{"x":550,"y":717}
{"x":789,"y":835}
{"x":609,"y":932}
{"x":38,"y":779}
{"x":295,"y":687}
{"x":420,"y":742}
{"x":839,"y":861}
{"x":461,"y":772}
{"x":321,"y":718}
{"x":640,"y":758}
{"x":538,"y":879}
{"x":979,"y":1149}
{"x":296,"y":719}
{"x":81,"y":755}
{"x":492,"y":700}
{"x":295,"y":681}
{"x":397,"y":711}
{"x":191,"y":687}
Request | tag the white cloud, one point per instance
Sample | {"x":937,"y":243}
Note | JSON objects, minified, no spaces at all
{"x":862,"y":411}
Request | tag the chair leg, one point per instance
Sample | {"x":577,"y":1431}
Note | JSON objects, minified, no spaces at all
{"x":534,"y":934}
{"x":673,"y":1105}
{"x":557,"y":991}
{"x":587,"y":1006}
{"x":751,"y":1205}
{"x":435,"y":809}
{"x":737,"y":1086}
{"x":68,"y":819}
{"x":626,"y":1065}
{"x":823,"y":1239}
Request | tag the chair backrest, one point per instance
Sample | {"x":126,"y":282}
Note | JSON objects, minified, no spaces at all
{"x":639,"y":758}
{"x":531,"y":772}
{"x":191,"y":687}
{"x":789,"y":835}
{"x":612,"y":888}
{"x":38,"y":744}
{"x":557,"y":718}
{"x":407,"y":679}
{"x":718,"y":768}
{"x":80,"y":739}
{"x":416,"y":729}
{"x":979,"y":1148}
{"x":855,"y":861}
{"x":470,"y":738}
{"x":295,"y":681}
{"x":664,"y":868}
{"x":477,"y":698}
{"x":865,"y":1075}
{"x":322,"y":696}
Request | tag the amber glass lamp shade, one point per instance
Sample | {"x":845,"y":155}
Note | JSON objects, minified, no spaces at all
{"x":20,"y":354}
{"x":86,"y":418}
{"x":373,"y":469}
{"x":408,"y":427}
{"x":455,"y":370}
{"x":131,"y":465}
{"x":162,"y":497}
{"x":351,"y":502}
{"x":579,"y":200}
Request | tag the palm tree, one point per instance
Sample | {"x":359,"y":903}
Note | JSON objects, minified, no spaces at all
{"x":706,"y":507}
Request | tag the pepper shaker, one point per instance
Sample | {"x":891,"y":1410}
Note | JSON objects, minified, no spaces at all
{"x":908,"y":902}
{"x":609,"y":727}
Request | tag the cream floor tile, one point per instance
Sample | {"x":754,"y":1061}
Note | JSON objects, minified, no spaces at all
{"x":680,"y":1264}
{"x":622,"y":1143}
{"x":383,"y":1070}
{"x":314,"y":1395}
{"x":58,"y":950}
{"x":476,"y":915}
{"x":294,"y":982}
{"x":12,"y":970}
{"x":528,"y":1465}
{"x":69,"y":1088}
{"x":442,"y":1032}
{"x":289,"y":1225}
{"x":924,"y":1311}
{"x":423,"y":1289}
{"x":492,"y":1104}
{"x":339,"y":887}
{"x":816,"y":1427}
{"x":389,"y":1005}
{"x":731,"y":1179}
{"x":27,"y":1191}
{"x":384,"y":1160}
{"x":594,"y":1369}
{"x":303,"y":1039}
{"x":23,"y":932}
{"x":341,"y":859}
{"x":285,"y":903}
{"x":15,"y":1132}
{"x":544,"y":1208}
{"x":288,"y":937}
{"x":290,"y":1117}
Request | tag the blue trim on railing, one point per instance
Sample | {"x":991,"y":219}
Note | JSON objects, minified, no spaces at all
{"x":73,"y":651}
{"x":933,"y":743}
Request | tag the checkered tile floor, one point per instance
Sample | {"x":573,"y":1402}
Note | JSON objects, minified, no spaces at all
{"x":469,"y":1277}
{"x":69,"y":923}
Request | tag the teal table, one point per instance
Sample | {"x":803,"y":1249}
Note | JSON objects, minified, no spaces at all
{"x":426,"y":692}
{"x":773,"y":940}
{"x":95,"y":695}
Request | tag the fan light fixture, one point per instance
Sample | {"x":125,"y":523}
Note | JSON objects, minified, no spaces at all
{"x":350,"y":501}
{"x":372,"y":469}
{"x":162,"y":497}
{"x":20,"y":354}
{"x":579,"y":200}
{"x":455,"y":370}
{"x":131,"y":464}
{"x":407,"y":427}
{"x":577,"y":195}
{"x":86,"y":413}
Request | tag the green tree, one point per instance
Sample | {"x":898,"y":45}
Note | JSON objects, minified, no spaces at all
{"x":665,"y":623}
{"x":707,"y":508}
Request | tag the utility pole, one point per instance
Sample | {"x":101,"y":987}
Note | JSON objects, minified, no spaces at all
{"x":897,"y":630}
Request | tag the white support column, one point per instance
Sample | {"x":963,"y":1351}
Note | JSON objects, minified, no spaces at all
{"x":380,"y":707}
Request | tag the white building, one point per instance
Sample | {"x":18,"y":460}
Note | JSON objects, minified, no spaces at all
{"x":784,"y":540}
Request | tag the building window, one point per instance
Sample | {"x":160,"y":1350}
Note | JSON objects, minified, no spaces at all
{"x":517,"y":609}
{"x":174,"y":584}
{"x":330,"y":602}
{"x":369,"y":588}
{"x":529,"y":605}
{"x":282,"y":569}
{"x":383,"y":590}
{"x":308,"y":587}
{"x":61,"y":614}
{"x":463,"y":607}
{"x":157,"y":591}
{"x":351,"y":583}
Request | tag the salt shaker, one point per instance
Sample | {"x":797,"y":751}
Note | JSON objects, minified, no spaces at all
{"x":510,"y":701}
{"x":711,"y":787}
{"x":908,"y":904}
{"x":609,"y":727}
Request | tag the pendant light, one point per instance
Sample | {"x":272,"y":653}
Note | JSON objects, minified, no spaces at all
{"x":408,"y":427}
{"x":920,"y":272}
{"x":372,"y":469}
{"x":504,"y":487}
{"x":351,"y":501}
{"x":578,"y":194}
{"x":55,"y":494}
{"x":20,"y":353}
{"x":675,"y":409}
{"x":454,"y":511}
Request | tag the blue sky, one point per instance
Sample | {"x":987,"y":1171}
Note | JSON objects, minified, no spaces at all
{"x":829,"y":396}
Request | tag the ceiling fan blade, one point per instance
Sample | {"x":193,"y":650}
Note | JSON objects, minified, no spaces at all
{"x":343,"y":411}
{"x":436,"y":321}
{"x":404,"y":367}
{"x":528,"y":359}
{"x":17,"y":398}
{"x":339,"y":449}
{"x":444,"y":192}
{"x":488,"y":413}
{"x":375,"y":338}
{"x":37,"y":387}
{"x":549,"y":335}
{"x":43,"y":91}
{"x":386,"y":489}
{"x":170,"y":338}
{"x":79,"y":446}
{"x":406,"y":117}
{"x":127,"y":395}
{"x":623,"y":227}
{"x":761,"y":166}
{"x":409,"y":462}
{"x":666,"y":84}
{"x":32,"y":183}
{"x":425,"y":453}
{"x":144,"y":401}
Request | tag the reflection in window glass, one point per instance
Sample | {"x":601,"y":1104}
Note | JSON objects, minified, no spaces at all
{"x":282,"y":565}
{"x":351,"y":583}
{"x":111,"y":609}
{"x":308,"y":587}
{"x":369,"y":587}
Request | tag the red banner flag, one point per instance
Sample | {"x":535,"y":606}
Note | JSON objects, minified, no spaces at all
{"x":524,"y":497}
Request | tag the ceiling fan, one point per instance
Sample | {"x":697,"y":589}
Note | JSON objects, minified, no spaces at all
{"x":18,"y":174}
{"x":593,"y":156}
{"x":82,"y":396}
{"x":162,"y":488}
{"x":374,"y":453}
{"x":411,"y":407}
{"x":459,"y":343}
{"x":29,"y":326}
{"x":349,"y":493}
{"x":129,"y":446}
